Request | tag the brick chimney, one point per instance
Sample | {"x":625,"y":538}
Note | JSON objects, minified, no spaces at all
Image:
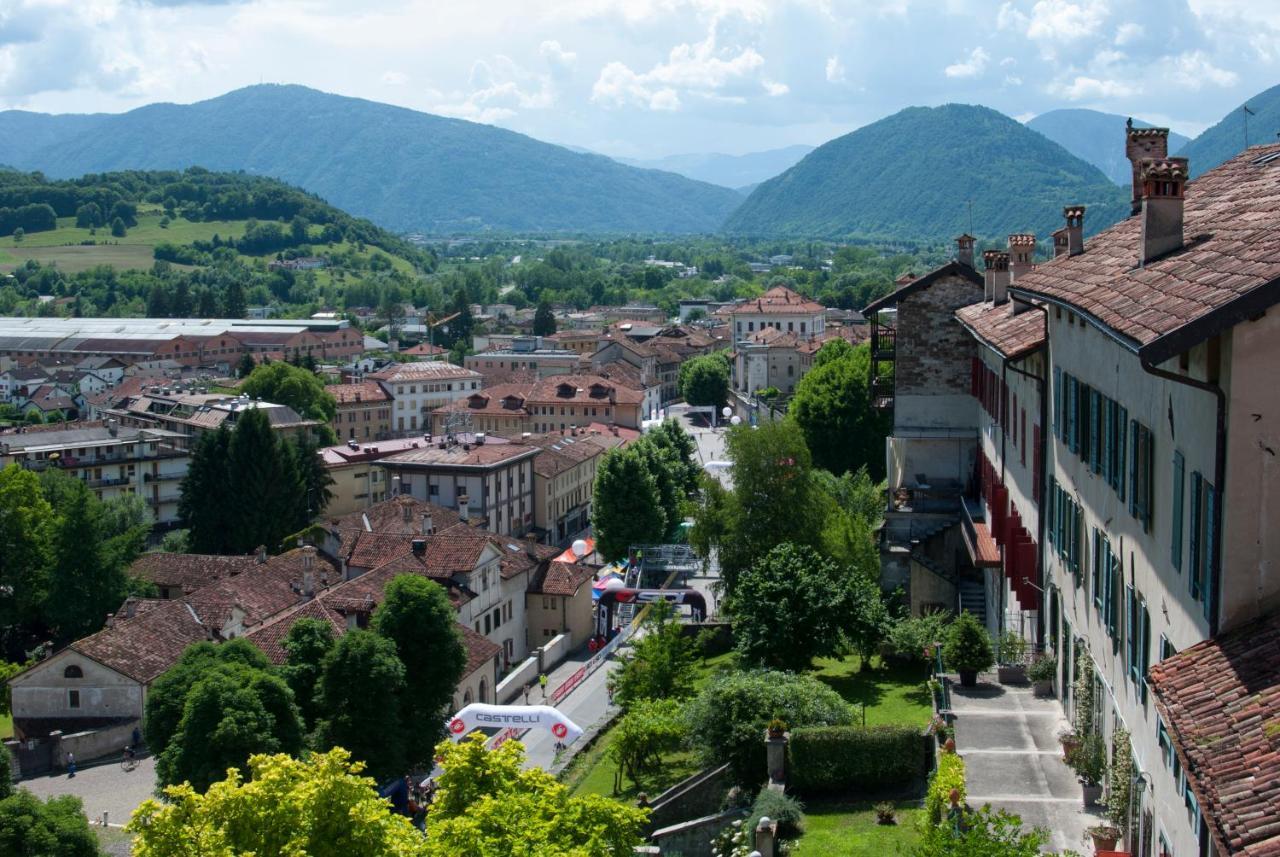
{"x":1022,"y":254}
{"x":995,"y":279}
{"x":964,"y":249}
{"x":1141,"y":143}
{"x":464,"y":507}
{"x":1074,"y":215}
{"x":428,"y":527}
{"x":1163,"y":182}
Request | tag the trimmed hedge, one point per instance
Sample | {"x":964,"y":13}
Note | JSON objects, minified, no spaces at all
{"x":949,"y":775}
{"x":850,"y":758}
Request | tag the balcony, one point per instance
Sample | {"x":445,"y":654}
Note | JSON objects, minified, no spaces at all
{"x":108,"y":483}
{"x":882,"y":394}
{"x":883,"y":342}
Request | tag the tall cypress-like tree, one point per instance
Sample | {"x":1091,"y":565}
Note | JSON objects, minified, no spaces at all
{"x":233,"y":304}
{"x":206,"y":505}
{"x":265,"y":484}
{"x":544,"y":320}
{"x":315,"y":480}
{"x":85,"y":584}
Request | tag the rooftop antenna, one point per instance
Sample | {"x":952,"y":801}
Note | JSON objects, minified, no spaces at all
{"x":970,"y":216}
{"x":1247,"y":114}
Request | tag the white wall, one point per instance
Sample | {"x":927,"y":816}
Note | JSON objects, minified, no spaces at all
{"x":43,"y":691}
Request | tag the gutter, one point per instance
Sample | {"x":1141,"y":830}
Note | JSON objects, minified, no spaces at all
{"x":1220,"y":470}
{"x":1031,"y":298}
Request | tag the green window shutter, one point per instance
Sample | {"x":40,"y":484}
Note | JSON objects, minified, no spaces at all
{"x":1095,"y":433}
{"x":1095,"y":557}
{"x":1208,"y":565}
{"x":1144,"y":648}
{"x":1149,"y":477}
{"x":1116,"y":591}
{"x":1193,"y":579}
{"x":1175,"y":530}
{"x":1057,"y":401}
{"x":1133,"y":470}
{"x":1108,"y":428}
{"x":1122,"y":447}
{"x":1130,"y":635}
{"x":1049,"y":502}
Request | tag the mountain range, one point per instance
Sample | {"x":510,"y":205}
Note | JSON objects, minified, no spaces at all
{"x":931,"y":172}
{"x":741,"y":172}
{"x":1226,"y":139}
{"x":403,"y":169}
{"x":1096,"y":137}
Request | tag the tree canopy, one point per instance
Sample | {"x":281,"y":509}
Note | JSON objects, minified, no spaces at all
{"x":305,"y":646}
{"x":832,"y":406}
{"x":626,"y":504}
{"x":544,"y":320}
{"x":286,"y":384}
{"x":31,"y":827}
{"x":358,"y":697}
{"x":704,"y":380}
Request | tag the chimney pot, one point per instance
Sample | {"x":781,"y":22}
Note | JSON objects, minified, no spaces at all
{"x":1022,"y":253}
{"x":419,"y":547}
{"x":262,"y":554}
{"x":995,"y":279}
{"x":964,"y":249}
{"x":464,"y":507}
{"x":1163,"y":182}
{"x":428,"y":527}
{"x":1139,"y":144}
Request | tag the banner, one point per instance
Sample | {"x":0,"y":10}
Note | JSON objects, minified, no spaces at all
{"x":479,"y":715}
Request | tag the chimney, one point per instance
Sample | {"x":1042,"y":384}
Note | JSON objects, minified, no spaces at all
{"x":395,"y":485}
{"x":964,"y":249}
{"x":113,"y":427}
{"x":406,"y":509}
{"x":428,"y":527}
{"x":1022,"y":253}
{"x":1140,"y":144}
{"x":996,"y":276}
{"x":262,"y":554}
{"x":1163,"y":181}
{"x":419,"y":547}
{"x":464,"y":507}
{"x":308,"y":557}
{"x":1074,"y":215}
{"x":1059,"y":242}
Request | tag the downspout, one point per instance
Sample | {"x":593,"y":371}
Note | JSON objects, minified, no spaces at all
{"x":1220,"y":471}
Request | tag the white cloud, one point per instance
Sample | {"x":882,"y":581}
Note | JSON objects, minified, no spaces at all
{"x":974,"y":66}
{"x":556,"y":55}
{"x":1063,"y":21}
{"x":1194,"y":69}
{"x":1129,"y":32}
{"x":1083,"y":88}
{"x":395,"y":78}
{"x":498,"y":90}
{"x":836,"y":72}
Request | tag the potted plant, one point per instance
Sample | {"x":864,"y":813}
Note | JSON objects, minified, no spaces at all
{"x":777,"y":728}
{"x":1069,"y":740}
{"x":968,"y":649}
{"x":1042,"y":672}
{"x":1089,"y":761}
{"x":1012,"y":668}
{"x":1104,"y":836}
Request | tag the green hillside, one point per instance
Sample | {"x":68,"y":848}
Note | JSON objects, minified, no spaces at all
{"x":914,"y":174}
{"x":404,"y":170}
{"x":1225,"y":140}
{"x":1096,"y":137}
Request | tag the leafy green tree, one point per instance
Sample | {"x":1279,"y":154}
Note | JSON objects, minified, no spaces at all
{"x":18,"y":235}
{"x":265,"y":482}
{"x":361,"y":681}
{"x":305,"y":646}
{"x":207,"y":504}
{"x":626,"y":504}
{"x":30,"y":827}
{"x":320,"y":807}
{"x":233,"y":303}
{"x":705,"y":380}
{"x":832,"y":406}
{"x":662,"y":663}
{"x":793,"y":605}
{"x":671,"y":436}
{"x":984,"y":833}
{"x":88,"y":215}
{"x":460,"y":328}
{"x":544,"y":320}
{"x":647,"y":731}
{"x":316,"y":481}
{"x":229,"y":715}
{"x":6,"y":764}
{"x":27,"y":525}
{"x":117,"y":228}
{"x":294,"y":386}
{"x":489,"y":804}
{"x":667,"y":472}
{"x":245,"y":366}
{"x":418,"y":618}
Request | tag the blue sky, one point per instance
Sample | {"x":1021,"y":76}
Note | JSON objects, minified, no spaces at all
{"x":645,"y":78}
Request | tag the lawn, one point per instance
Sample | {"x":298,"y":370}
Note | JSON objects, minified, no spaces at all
{"x":6,"y":725}
{"x":889,"y":695}
{"x":841,"y":828}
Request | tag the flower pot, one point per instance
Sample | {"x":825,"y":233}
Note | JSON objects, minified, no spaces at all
{"x":968,"y":678}
{"x":1043,"y":687}
{"x":1012,"y":674}
{"x":1068,"y":744}
{"x":1104,"y":842}
{"x":1092,"y":795}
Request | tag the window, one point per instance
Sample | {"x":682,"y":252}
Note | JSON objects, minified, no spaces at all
{"x":1175,"y":530}
{"x":1100,"y":565}
{"x":73,"y":671}
{"x":1057,"y":402}
{"x":1140,"y":470}
{"x":1202,"y":548}
{"x":73,"y":699}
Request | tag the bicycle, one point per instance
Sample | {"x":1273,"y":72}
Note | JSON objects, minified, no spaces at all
{"x":128,"y":763}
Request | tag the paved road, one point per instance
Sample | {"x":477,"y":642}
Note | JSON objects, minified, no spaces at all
{"x":1013,"y":760}
{"x":105,"y":788}
{"x":585,"y":706}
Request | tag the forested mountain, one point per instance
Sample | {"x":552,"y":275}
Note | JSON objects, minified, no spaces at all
{"x":1096,"y":137}
{"x":915,"y":174}
{"x":1226,"y":139}
{"x":403,"y":169}
{"x":735,"y":171}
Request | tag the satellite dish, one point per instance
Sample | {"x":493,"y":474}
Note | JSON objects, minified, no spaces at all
{"x":579,"y":548}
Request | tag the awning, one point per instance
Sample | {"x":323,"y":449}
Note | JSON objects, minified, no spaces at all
{"x":983,"y":552}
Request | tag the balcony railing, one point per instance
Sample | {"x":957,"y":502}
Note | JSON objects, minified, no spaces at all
{"x":882,"y":393}
{"x":884,"y":342}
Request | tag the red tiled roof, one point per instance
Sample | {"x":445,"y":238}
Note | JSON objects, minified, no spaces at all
{"x":584,"y":389}
{"x":480,"y":649}
{"x":146,"y":645}
{"x":365,"y":391}
{"x":186,"y":570}
{"x":427,"y":370}
{"x":1231,"y":221}
{"x":1220,"y":700}
{"x":563,"y":578}
{"x":779,"y":300}
{"x":997,"y":326}
{"x":498,"y":400}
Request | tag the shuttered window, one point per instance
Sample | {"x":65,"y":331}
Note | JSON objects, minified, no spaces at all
{"x":1175,"y":529}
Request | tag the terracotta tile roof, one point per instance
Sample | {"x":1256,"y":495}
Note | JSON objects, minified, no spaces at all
{"x":146,"y":645}
{"x":582,"y":389}
{"x":188,"y":571}
{"x":562,"y":578}
{"x":561,"y":452}
{"x":622,"y":374}
{"x":952,"y":268}
{"x":270,"y":635}
{"x":427,"y":370}
{"x":778,"y":300}
{"x":480,"y":649}
{"x":498,"y":400}
{"x":1231,"y":221}
{"x":458,"y":455}
{"x":424,"y":349}
{"x":401,"y":515}
{"x":996,"y":325}
{"x":261,"y":593}
{"x":1220,"y":700}
{"x":366,"y":391}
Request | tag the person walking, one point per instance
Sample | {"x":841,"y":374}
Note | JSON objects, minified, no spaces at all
{"x":542,"y":681}
{"x":527,"y":688}
{"x":71,"y":766}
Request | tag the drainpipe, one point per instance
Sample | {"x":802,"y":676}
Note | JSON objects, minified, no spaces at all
{"x":1220,"y":471}
{"x":1044,"y":463}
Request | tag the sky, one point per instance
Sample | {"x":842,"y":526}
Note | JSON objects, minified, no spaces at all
{"x":648,"y":78}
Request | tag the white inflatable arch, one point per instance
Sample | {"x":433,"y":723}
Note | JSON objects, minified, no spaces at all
{"x":479,"y":715}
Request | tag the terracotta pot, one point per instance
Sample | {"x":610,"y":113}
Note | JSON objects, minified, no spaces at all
{"x":1043,"y":688}
{"x":968,"y":678}
{"x":1103,"y":843}
{"x":1068,"y":744}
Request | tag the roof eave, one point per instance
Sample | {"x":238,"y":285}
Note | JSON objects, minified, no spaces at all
{"x":1124,"y":341}
{"x":1244,"y":308}
{"x":952,"y":267}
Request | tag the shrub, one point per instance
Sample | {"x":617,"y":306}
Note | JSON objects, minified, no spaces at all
{"x":884,"y":813}
{"x":779,"y":807}
{"x":908,"y":638}
{"x":1013,"y":648}
{"x":649,"y":729}
{"x":1089,"y":760}
{"x":1120,"y":780}
{"x":1043,"y":669}
{"x":849,"y":758}
{"x":968,"y":645}
{"x":949,"y":775}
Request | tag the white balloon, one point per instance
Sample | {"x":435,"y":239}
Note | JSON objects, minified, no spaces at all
{"x":579,"y":548}
{"x":735,"y":420}
{"x":726,"y":410}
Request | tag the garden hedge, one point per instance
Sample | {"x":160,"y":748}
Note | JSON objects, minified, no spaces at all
{"x":850,"y":758}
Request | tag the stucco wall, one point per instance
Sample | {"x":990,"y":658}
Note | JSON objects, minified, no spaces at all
{"x":43,"y":691}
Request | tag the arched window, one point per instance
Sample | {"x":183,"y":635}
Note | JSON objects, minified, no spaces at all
{"x":73,"y":671}
{"x":484,"y":691}
{"x":466,"y":698}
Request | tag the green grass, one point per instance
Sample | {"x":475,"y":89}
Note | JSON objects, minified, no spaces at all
{"x":6,"y":725}
{"x":890,"y":695}
{"x":147,"y":232}
{"x":113,"y":841}
{"x":841,"y":828}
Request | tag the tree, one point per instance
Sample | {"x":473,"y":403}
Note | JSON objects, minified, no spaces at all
{"x":306,"y":645}
{"x":832,"y":406}
{"x":670,"y":435}
{"x":30,"y":827}
{"x":487,"y":804}
{"x":26,"y":529}
{"x":265,"y":481}
{"x":233,"y":303}
{"x":793,"y":605}
{"x":648,"y":730}
{"x":228,"y":715}
{"x":460,"y":327}
{"x":705,"y":380}
{"x":207,"y":505}
{"x":88,"y":215}
{"x":294,"y":386}
{"x":117,"y":228}
{"x":320,"y":806}
{"x":662,"y":664}
{"x":18,"y":235}
{"x":417,"y":616}
{"x":626,"y":504}
{"x":968,"y":645}
{"x":544,"y":320}
{"x":245,"y":366}
{"x":316,"y":481}
{"x":360,"y":683}
{"x":668,"y":473}
{"x":983,"y":833}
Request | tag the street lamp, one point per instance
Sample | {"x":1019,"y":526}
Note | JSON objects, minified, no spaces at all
{"x":735,"y":420}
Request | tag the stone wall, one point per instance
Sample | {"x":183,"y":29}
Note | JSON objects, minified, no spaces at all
{"x":699,"y":795}
{"x":694,"y":838}
{"x":933,"y":349}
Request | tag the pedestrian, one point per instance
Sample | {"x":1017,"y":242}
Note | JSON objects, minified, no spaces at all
{"x":137,"y":736}
{"x":593,"y":645}
{"x":542,"y":680}
{"x":71,"y":766}
{"x":527,"y":688}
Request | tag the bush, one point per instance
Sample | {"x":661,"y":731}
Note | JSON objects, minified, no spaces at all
{"x":849,"y":758}
{"x":779,"y":807}
{"x":53,"y":828}
{"x":1043,"y":669}
{"x":1013,"y":648}
{"x":949,"y":775}
{"x":1089,"y":760}
{"x":909,"y":638}
{"x":968,"y":645}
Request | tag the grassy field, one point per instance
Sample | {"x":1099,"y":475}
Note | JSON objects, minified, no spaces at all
{"x":6,"y":725}
{"x":890,"y":695}
{"x":836,"y":828}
